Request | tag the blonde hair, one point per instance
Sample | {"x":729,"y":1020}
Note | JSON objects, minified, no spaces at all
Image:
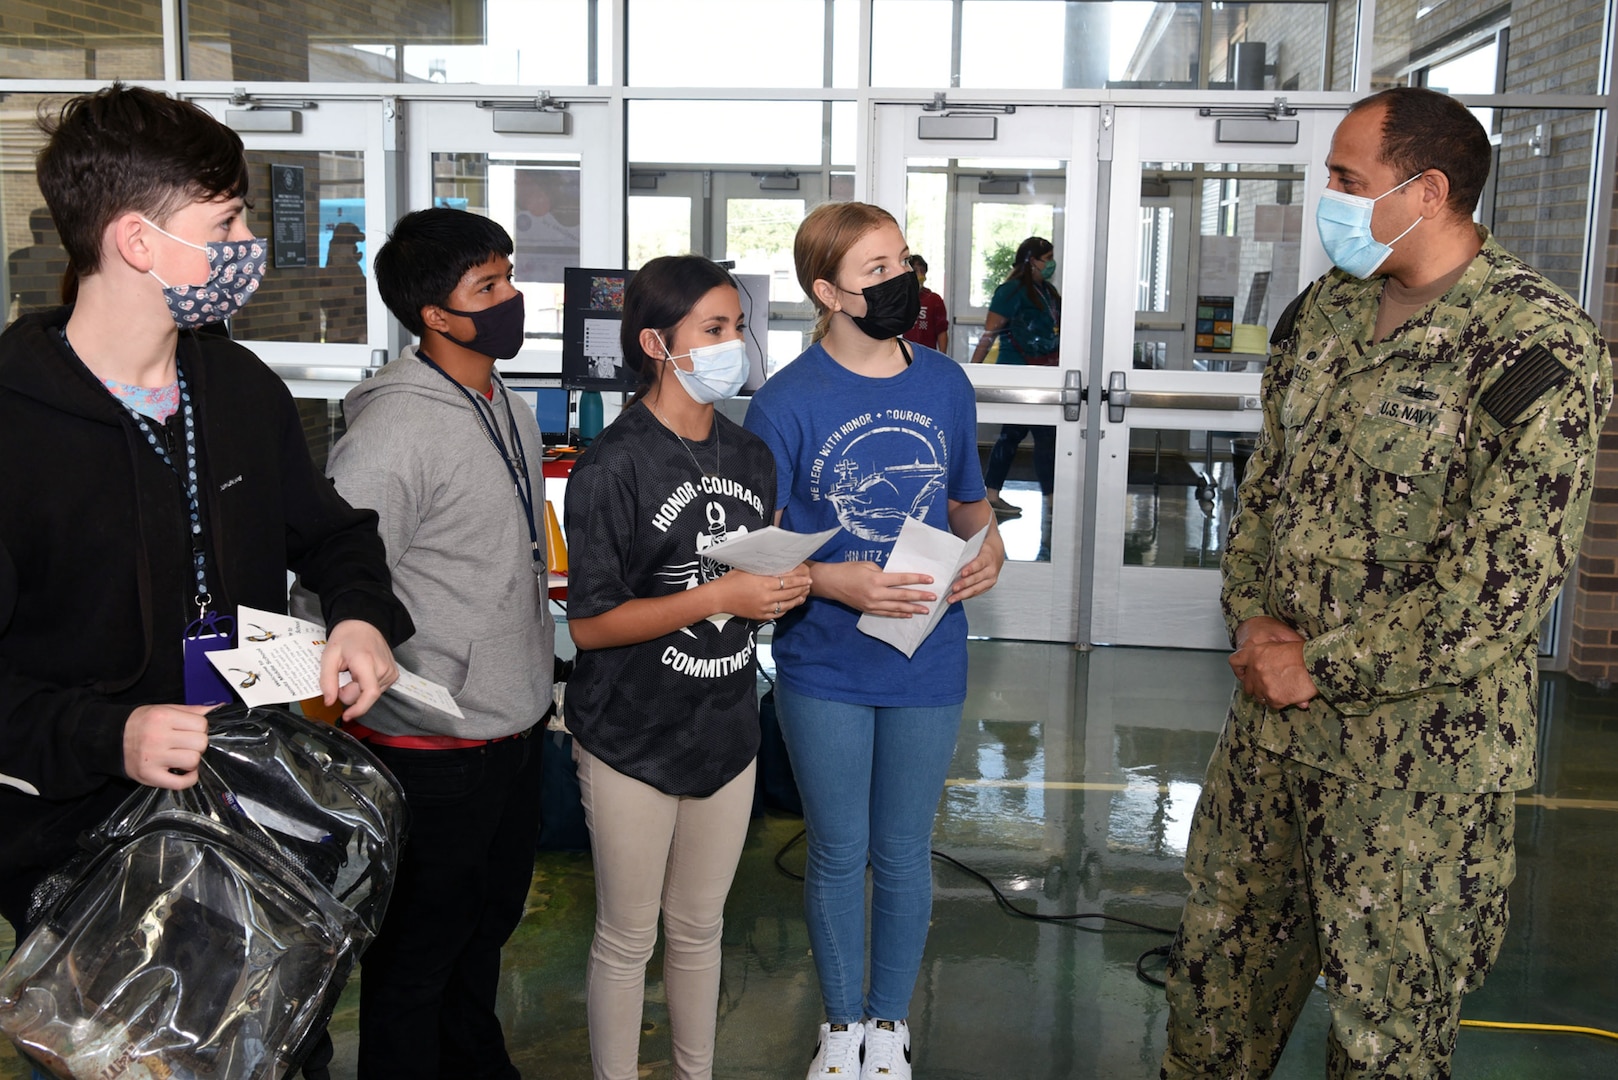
{"x":825,"y":236}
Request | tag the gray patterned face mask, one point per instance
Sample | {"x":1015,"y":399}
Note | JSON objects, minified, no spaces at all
{"x":234,"y":271}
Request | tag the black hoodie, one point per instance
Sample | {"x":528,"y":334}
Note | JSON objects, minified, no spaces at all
{"x":96,"y":579}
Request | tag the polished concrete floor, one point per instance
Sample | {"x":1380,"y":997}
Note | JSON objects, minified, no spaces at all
{"x":1073,"y":785}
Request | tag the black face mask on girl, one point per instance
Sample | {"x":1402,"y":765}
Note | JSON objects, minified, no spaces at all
{"x":499,"y":329}
{"x":891,"y":306}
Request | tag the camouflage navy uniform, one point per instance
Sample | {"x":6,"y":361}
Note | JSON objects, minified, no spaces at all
{"x":1412,"y":510}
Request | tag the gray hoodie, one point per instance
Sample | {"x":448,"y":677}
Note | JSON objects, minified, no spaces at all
{"x":458,"y":547}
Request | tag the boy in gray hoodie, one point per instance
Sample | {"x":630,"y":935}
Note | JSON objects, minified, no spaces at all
{"x":450,"y":461}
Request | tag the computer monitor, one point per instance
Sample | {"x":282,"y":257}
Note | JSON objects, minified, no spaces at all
{"x":592,"y":313}
{"x":550,"y":410}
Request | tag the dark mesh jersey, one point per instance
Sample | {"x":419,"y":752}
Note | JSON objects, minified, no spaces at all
{"x":680,"y":712}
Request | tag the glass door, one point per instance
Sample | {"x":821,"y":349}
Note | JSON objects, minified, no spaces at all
{"x":754,"y":216}
{"x":549,"y":184}
{"x":1210,"y":239}
{"x":969,"y":191}
{"x":317,"y":174}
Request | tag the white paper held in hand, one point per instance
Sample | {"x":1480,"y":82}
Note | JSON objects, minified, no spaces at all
{"x":922,"y":549}
{"x":769,"y":551}
{"x":277,"y":662}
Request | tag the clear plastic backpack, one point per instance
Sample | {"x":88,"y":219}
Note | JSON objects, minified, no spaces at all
{"x":209,"y":932}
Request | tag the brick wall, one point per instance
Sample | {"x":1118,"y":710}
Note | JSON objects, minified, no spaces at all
{"x":82,"y":39}
{"x":1593,"y":654}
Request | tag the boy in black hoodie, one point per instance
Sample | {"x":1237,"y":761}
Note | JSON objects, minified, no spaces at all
{"x":156,"y":476}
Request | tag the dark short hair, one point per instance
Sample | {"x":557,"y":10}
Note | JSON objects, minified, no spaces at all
{"x":1423,"y":129}
{"x":1022,"y":265}
{"x":428,"y":253}
{"x":127,"y":148}
{"x":918,"y":263}
{"x":659,"y":295}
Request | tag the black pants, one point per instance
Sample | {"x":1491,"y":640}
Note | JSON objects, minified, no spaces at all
{"x":427,"y":984}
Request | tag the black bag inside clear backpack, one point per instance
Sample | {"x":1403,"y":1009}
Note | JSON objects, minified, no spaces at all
{"x":209,"y":932}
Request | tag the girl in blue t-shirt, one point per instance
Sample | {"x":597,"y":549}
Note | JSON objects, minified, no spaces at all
{"x":868,"y":430}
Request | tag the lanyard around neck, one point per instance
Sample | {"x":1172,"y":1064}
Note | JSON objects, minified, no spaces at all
{"x":516,"y":466}
{"x":186,"y":476}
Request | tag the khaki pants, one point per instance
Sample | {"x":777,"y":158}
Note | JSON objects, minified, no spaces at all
{"x":658,"y":852}
{"x":1396,"y":898}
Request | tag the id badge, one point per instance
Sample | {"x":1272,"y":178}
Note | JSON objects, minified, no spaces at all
{"x":203,"y":683}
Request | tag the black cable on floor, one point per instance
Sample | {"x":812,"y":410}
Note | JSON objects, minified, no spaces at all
{"x":1156,"y":950}
{"x":1010,"y":908}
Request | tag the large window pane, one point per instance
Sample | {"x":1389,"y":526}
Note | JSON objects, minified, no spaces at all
{"x":323,"y":300}
{"x":90,"y":39}
{"x":1555,"y":48}
{"x":544,"y":42}
{"x":1012,"y":43}
{"x":1050,"y":44}
{"x":910,"y":42}
{"x":726,"y":132}
{"x":727,"y":43}
{"x":1537,"y":203}
{"x":536,"y":200}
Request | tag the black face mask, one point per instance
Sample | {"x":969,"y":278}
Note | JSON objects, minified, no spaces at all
{"x":499,"y":329}
{"x":891,"y":307}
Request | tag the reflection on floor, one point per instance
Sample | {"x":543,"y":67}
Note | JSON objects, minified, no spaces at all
{"x":1028,"y":536}
{"x":1073,"y":786}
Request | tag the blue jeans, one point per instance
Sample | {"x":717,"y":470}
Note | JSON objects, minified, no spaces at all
{"x":870,"y":777}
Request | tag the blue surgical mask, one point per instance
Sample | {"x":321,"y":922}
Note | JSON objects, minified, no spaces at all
{"x":234,"y":271}
{"x":717,"y":371}
{"x":1344,"y":224}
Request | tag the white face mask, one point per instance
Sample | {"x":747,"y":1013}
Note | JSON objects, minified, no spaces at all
{"x":717,"y":371}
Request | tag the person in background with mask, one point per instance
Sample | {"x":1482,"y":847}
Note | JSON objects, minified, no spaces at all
{"x":1419,"y":492}
{"x":160,"y":477}
{"x":931,"y":327}
{"x":1025,"y":317}
{"x":451,"y":462}
{"x":663,"y":699}
{"x":868,"y":430}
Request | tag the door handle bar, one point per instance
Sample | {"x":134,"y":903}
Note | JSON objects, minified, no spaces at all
{"x":1119,"y":397}
{"x":1070,"y":395}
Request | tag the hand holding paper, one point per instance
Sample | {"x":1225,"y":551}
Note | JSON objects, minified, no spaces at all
{"x":767,"y":551}
{"x":923,"y":549}
{"x":279,"y":661}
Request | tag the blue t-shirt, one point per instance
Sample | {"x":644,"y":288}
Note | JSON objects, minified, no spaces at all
{"x":864,"y":454}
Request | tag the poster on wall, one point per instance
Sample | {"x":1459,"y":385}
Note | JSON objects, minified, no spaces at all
{"x":288,"y":224}
{"x":545,"y":225}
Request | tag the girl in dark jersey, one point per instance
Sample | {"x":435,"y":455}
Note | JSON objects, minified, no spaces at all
{"x":663,"y":703}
